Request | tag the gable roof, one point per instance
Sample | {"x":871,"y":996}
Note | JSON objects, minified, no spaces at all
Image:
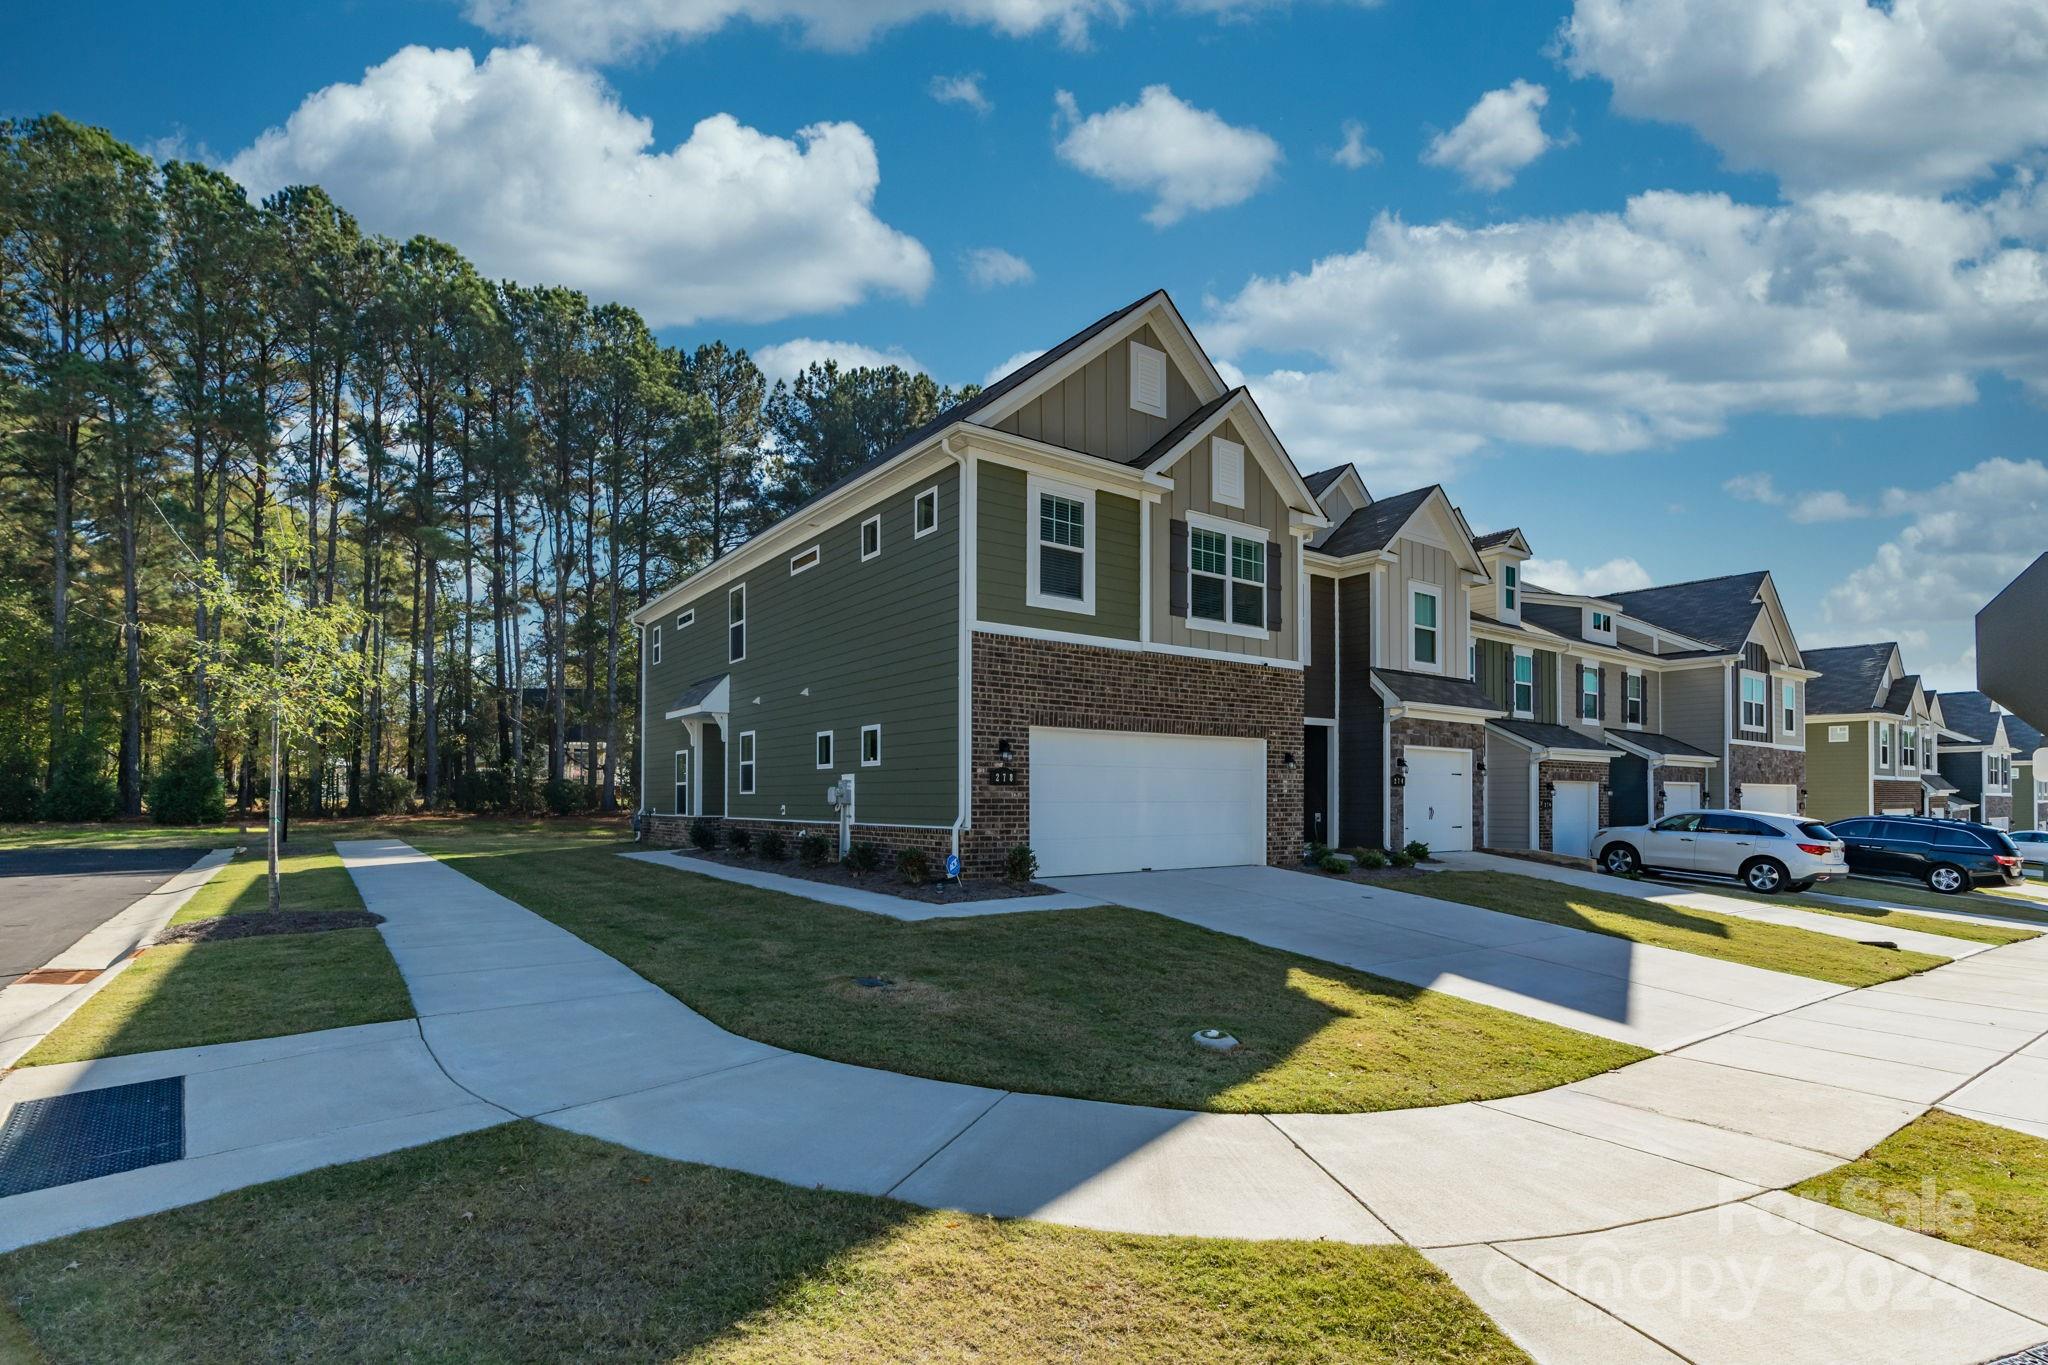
{"x":1899,"y":700}
{"x":2024,"y":736}
{"x":1972,"y":714}
{"x":1158,"y":449}
{"x":1721,"y":611}
{"x":1493,"y":538}
{"x":1323,"y":478}
{"x":1374,"y":526}
{"x":1849,"y":678}
{"x":1264,"y":445}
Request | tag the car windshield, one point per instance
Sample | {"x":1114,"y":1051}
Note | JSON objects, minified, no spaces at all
{"x":1813,"y":829}
{"x":1679,"y":822}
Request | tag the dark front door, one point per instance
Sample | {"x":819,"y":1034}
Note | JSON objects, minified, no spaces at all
{"x":1315,"y":784}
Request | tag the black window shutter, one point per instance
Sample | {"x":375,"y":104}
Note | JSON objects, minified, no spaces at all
{"x":1603,"y":692}
{"x":1177,"y":569}
{"x":1273,"y":621}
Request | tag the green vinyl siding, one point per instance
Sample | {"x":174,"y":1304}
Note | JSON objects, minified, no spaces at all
{"x":839,"y":646}
{"x":1838,"y":775}
{"x":2026,"y":798}
{"x":1496,"y":678}
{"x":1001,"y":566}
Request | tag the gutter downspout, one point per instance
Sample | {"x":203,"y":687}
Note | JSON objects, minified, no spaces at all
{"x":640,"y":805}
{"x":956,"y":447}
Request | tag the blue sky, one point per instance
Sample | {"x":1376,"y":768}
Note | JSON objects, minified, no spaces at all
{"x":1681,"y":287}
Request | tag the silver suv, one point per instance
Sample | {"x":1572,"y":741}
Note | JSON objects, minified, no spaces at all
{"x":1767,"y":853}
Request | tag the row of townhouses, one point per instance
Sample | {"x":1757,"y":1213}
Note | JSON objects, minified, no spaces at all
{"x":1098,"y":610}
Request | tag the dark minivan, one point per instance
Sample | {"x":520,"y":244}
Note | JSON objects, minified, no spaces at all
{"x":1949,"y":855}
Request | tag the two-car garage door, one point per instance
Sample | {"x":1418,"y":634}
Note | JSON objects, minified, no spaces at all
{"x":1110,"y":801}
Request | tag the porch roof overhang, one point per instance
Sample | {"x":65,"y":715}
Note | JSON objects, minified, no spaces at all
{"x":705,"y":698}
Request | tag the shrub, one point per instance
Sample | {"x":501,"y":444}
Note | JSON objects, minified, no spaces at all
{"x":704,"y":834}
{"x":387,"y":794}
{"x":914,"y":866}
{"x":80,"y":789}
{"x":187,"y":789}
{"x":1370,"y":858}
{"x":741,"y":839}
{"x":1316,"y":854}
{"x":813,"y":849}
{"x":21,"y":795}
{"x":1331,"y":863}
{"x":563,"y":797}
{"x":863,"y":858}
{"x":1401,"y":857}
{"x":487,"y":790}
{"x":1416,"y":850}
{"x":771,"y":847}
{"x":1021,"y":864}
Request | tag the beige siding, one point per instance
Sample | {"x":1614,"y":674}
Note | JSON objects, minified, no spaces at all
{"x":1694,"y":712}
{"x":1432,"y":565}
{"x":1091,"y":409}
{"x":1265,"y":509}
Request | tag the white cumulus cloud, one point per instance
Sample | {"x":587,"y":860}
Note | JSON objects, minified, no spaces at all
{"x":989,"y":267}
{"x":1620,"y":574}
{"x":1910,"y":94}
{"x":1355,"y":153}
{"x":962,"y":90}
{"x":1188,"y":159}
{"x":787,"y":359}
{"x":1498,"y":136}
{"x":1004,"y":367}
{"x":1806,"y":507}
{"x":534,"y":169}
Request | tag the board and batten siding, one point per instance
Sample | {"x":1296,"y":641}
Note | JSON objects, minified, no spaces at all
{"x":1319,"y":680}
{"x":1838,"y":773}
{"x":1091,"y":410}
{"x":1693,"y":712}
{"x":837,"y":647}
{"x":1264,"y":513}
{"x":1496,"y":679}
{"x":1430,"y":565}
{"x":1361,"y":743}
{"x":1007,"y":538}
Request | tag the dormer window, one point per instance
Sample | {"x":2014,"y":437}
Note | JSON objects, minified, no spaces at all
{"x":1600,"y":624}
{"x":1510,"y":589}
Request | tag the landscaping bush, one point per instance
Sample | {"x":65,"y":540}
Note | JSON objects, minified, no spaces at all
{"x":704,"y":834}
{"x":741,"y":839}
{"x":387,"y":794}
{"x":813,"y":849}
{"x":1401,"y":857}
{"x":80,"y":789}
{"x":1316,"y":854}
{"x":1331,"y":863}
{"x":1416,"y":850}
{"x":863,"y":858}
{"x":914,"y":866}
{"x":1021,"y":864}
{"x":771,"y":847}
{"x":187,"y":789}
{"x":486,"y":791}
{"x":563,"y":797}
{"x":21,"y":795}
{"x":1370,"y":858}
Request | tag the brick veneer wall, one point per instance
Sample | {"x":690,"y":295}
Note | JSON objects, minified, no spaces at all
{"x":1019,"y":683}
{"x":1888,"y":794}
{"x":1435,"y":734}
{"x":1560,"y":771}
{"x":1991,"y":807}
{"x":1749,"y":763}
{"x":673,"y":831}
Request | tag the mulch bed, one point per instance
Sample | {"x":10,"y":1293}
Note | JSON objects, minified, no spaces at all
{"x":261,"y":923}
{"x":881,"y":880}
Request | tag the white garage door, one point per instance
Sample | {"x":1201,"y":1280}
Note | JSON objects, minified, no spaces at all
{"x":1437,"y":807}
{"x":1781,"y":798}
{"x":1574,"y":815}
{"x":1107,"y":801}
{"x":1680,"y":797}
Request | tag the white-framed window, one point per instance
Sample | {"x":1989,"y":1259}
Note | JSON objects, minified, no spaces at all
{"x":1060,"y":536}
{"x":1524,"y":699}
{"x":1756,"y":702}
{"x":1589,"y":692}
{"x":1425,"y":627}
{"x":1884,"y":744}
{"x":1600,"y":623}
{"x":1226,"y":577}
{"x":746,"y":763}
{"x":1838,"y":734}
{"x":1226,"y":472}
{"x":682,"y":782}
{"x":1909,"y":747}
{"x":924,"y":513}
{"x":654,"y":644}
{"x":824,"y":748}
{"x":1927,"y":749}
{"x":870,"y":746}
{"x":1788,"y":703}
{"x":736,"y":623}
{"x":1148,"y":379}
{"x":1510,"y":588}
{"x":685,"y":619}
{"x":1471,"y":661}
{"x":871,"y":537}
{"x":1634,"y":698}
{"x":805,"y":559}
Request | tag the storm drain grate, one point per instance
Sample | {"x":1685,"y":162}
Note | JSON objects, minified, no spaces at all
{"x":68,"y":1138}
{"x":57,"y":976}
{"x":2037,"y":1355}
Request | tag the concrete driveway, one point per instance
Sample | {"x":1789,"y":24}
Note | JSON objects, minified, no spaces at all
{"x":1656,"y":998}
{"x":50,"y":898}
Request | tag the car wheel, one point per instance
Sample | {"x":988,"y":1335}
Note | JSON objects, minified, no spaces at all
{"x":1947,"y":878}
{"x":1619,"y":859}
{"x":1765,"y":876}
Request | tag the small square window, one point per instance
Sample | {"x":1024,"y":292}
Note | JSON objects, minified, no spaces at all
{"x":804,"y":559}
{"x":925,"y":515}
{"x":824,"y":748}
{"x":870,"y":746}
{"x":870,"y":538}
{"x":685,"y":618}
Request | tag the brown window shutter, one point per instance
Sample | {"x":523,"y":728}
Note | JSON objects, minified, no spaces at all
{"x":1273,"y":621}
{"x":1177,"y":569}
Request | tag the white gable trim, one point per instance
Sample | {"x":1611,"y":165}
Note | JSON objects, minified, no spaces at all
{"x":1181,"y":348}
{"x":1264,"y":446}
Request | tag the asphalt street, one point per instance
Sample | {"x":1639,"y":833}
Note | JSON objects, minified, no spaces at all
{"x":50,"y":897}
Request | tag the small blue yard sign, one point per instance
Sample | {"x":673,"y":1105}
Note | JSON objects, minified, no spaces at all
{"x":952,"y":865}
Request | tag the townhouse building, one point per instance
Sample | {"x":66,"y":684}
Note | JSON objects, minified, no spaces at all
{"x":1873,"y":736}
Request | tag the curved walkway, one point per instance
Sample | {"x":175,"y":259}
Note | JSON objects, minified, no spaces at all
{"x":1523,"y":1200}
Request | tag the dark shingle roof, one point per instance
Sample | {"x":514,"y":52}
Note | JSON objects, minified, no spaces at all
{"x":1549,"y":736}
{"x":1186,"y":425}
{"x":1434,"y":689}
{"x":1655,"y":743}
{"x":1935,"y":782}
{"x":1566,"y":621}
{"x":1899,"y":700}
{"x":1971,"y":713}
{"x":696,"y":692}
{"x":1849,"y":677}
{"x":1323,"y":478}
{"x":1720,"y":611}
{"x":1371,"y":527}
{"x":1493,"y":538}
{"x":2023,"y":735}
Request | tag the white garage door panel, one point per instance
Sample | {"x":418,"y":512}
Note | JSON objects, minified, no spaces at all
{"x":1574,"y":815}
{"x":1437,"y":807}
{"x":1106,"y":801}
{"x":1780,"y":798}
{"x":1680,"y":797}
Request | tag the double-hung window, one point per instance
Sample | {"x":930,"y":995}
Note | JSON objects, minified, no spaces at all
{"x":1927,"y":749}
{"x":1634,"y":696}
{"x":1425,"y":627}
{"x":1226,"y":578}
{"x":1510,"y":588}
{"x":746,"y":763}
{"x":1756,"y":702}
{"x":870,"y":746}
{"x":1909,"y":747}
{"x":1788,"y":702}
{"x":871,"y":537}
{"x":924,"y":514}
{"x":1062,"y":549}
{"x":682,"y":782}
{"x":1525,"y":683}
{"x":1884,"y":744}
{"x":824,"y":743}
{"x":654,"y":644}
{"x":736,"y":623}
{"x":1589,"y":693}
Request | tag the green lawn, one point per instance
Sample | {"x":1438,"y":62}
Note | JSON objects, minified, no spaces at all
{"x":185,"y":995}
{"x":136,"y":835}
{"x":1989,"y":1185}
{"x":1777,"y":947}
{"x":526,"y":1243}
{"x":1880,"y":916}
{"x":1094,"y":1003}
{"x":2001,"y":903}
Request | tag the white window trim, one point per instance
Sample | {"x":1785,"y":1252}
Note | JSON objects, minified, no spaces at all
{"x":831,"y":745}
{"x":1790,"y":716}
{"x":865,"y":731}
{"x":1596,"y":631}
{"x":1909,"y":748}
{"x":1634,"y":678}
{"x":1884,"y":745}
{"x":865,"y":553}
{"x":1138,"y":349}
{"x":933,"y":494}
{"x":686,"y":619}
{"x":682,"y":778}
{"x":804,"y":560}
{"x":1035,"y":486}
{"x":1530,"y":655}
{"x":654,"y":645}
{"x":745,"y":623}
{"x":1227,"y":528}
{"x":749,"y":768}
{"x":1742,"y":725}
{"x":1579,"y":707}
{"x":1217,"y":447}
{"x":1511,"y":592}
{"x":1408,"y":627}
